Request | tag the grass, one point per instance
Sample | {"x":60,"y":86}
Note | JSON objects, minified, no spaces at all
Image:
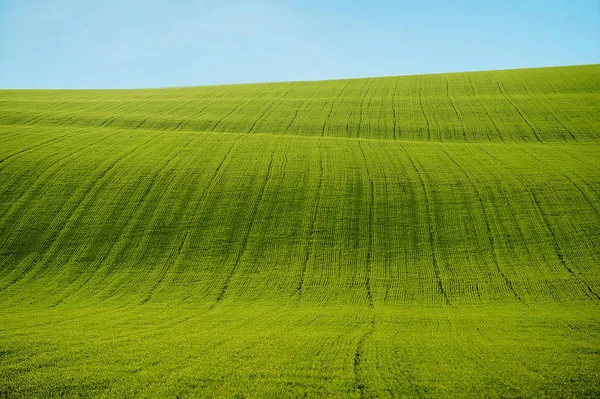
{"x":432,"y":236}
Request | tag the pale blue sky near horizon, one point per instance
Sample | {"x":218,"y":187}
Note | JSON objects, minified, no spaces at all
{"x":135,"y":43}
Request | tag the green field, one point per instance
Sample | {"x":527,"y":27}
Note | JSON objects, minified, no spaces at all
{"x":417,"y":236}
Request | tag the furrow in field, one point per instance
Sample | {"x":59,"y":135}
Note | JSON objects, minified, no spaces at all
{"x":33,"y":147}
{"x":12,"y":135}
{"x":75,"y":203}
{"x":371,"y":243}
{"x":359,"y":359}
{"x":147,"y":200}
{"x":268,"y":109}
{"x":361,"y":110}
{"x":221,"y":119}
{"x":398,"y":240}
{"x":266,"y":269}
{"x":553,"y":116}
{"x":559,"y":251}
{"x":24,"y":189}
{"x":299,"y":107}
{"x":489,"y":233}
{"x":192,"y":218}
{"x":464,"y":133}
{"x":331,"y":109}
{"x":533,"y":130}
{"x":422,"y":108}
{"x":253,"y":217}
{"x":567,"y":176}
{"x":394,"y":108}
{"x":197,"y":113}
{"x":431,"y":227}
{"x":311,"y":228}
{"x":106,"y":254}
{"x":67,"y":232}
{"x":33,"y":189}
{"x":517,"y":233}
{"x":156,"y":216}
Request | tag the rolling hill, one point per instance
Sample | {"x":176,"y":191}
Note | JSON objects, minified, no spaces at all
{"x":431,"y":235}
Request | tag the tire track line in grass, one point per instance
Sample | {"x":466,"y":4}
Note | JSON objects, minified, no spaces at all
{"x":179,"y":106}
{"x":360,"y":114}
{"x":34,"y":264}
{"x":543,"y":217}
{"x":333,"y":101}
{"x":524,"y":238}
{"x":595,"y":165}
{"x":493,"y":120}
{"x":253,"y":217}
{"x":165,"y":110}
{"x":462,"y":125}
{"x":58,"y":104}
{"x":351,"y":110}
{"x":185,"y":241}
{"x":583,"y":194}
{"x":17,"y":133}
{"x":537,"y":99}
{"x":32,"y":184}
{"x":592,"y":247}
{"x":158,"y":200}
{"x":148,"y":189}
{"x":47,"y":185}
{"x":423,"y":111}
{"x":93,"y":111}
{"x":177,"y":255}
{"x":401,"y":172}
{"x":117,"y":113}
{"x":100,"y":263}
{"x":14,"y":211}
{"x":358,"y":362}
{"x":212,"y":129}
{"x":300,"y":106}
{"x":394,"y":106}
{"x":33,"y":147}
{"x":484,"y":105}
{"x":268,"y":108}
{"x":181,"y":123}
{"x":139,"y":210}
{"x":185,"y":105}
{"x":114,"y":109}
{"x":201,"y":202}
{"x":112,"y":248}
{"x":489,"y":235}
{"x":42,"y":115}
{"x":313,"y":220}
{"x":519,"y":112}
{"x":368,"y":263}
{"x":263,"y":232}
{"x":513,"y":217}
{"x":263,"y":245}
{"x":431,"y":228}
{"x":388,"y":275}
{"x":240,"y":104}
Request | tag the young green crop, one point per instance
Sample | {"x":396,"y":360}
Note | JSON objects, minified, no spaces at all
{"x":432,"y":235}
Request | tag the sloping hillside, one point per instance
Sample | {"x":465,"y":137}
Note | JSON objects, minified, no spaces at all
{"x":529,"y":105}
{"x":424,"y":235}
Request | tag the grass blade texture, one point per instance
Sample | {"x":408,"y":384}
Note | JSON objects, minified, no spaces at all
{"x":418,"y":236}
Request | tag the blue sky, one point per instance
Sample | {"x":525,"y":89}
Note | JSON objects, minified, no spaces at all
{"x":125,"y":43}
